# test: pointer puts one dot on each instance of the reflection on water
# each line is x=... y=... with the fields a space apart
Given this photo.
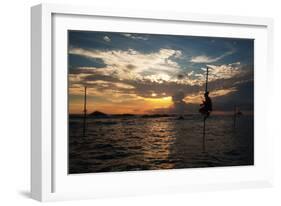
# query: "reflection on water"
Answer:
x=135 y=143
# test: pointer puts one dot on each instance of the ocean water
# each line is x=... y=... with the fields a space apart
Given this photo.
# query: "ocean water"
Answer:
x=136 y=143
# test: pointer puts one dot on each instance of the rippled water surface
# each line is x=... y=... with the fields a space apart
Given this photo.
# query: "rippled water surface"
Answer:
x=136 y=143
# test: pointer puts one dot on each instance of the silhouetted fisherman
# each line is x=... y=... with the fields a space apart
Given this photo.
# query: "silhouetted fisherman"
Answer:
x=206 y=106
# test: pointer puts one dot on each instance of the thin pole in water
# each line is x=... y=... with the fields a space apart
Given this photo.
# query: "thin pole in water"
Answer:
x=85 y=111
x=234 y=117
x=204 y=124
x=204 y=139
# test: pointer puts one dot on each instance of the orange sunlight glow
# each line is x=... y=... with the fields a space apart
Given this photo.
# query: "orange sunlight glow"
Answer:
x=139 y=106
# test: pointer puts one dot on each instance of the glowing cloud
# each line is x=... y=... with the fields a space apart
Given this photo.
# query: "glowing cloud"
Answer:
x=135 y=37
x=208 y=59
x=106 y=38
x=133 y=65
x=225 y=71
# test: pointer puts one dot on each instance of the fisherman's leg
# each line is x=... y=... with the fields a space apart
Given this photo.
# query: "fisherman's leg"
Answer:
x=207 y=114
x=203 y=110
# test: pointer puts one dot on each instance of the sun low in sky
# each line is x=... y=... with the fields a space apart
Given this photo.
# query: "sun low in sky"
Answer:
x=149 y=74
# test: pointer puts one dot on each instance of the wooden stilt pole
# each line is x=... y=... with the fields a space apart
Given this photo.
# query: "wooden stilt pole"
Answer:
x=234 y=117
x=204 y=124
x=85 y=111
x=204 y=139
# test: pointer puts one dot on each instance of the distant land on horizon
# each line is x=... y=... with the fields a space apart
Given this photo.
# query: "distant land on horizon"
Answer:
x=99 y=114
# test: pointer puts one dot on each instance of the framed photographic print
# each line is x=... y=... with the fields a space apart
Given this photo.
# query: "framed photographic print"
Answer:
x=137 y=102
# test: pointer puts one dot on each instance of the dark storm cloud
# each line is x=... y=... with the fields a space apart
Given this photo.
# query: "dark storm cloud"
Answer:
x=130 y=66
x=144 y=88
x=75 y=61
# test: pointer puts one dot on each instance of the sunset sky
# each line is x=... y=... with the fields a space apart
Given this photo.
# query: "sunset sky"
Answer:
x=147 y=73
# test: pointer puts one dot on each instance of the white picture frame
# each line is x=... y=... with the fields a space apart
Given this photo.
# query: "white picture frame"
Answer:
x=49 y=181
